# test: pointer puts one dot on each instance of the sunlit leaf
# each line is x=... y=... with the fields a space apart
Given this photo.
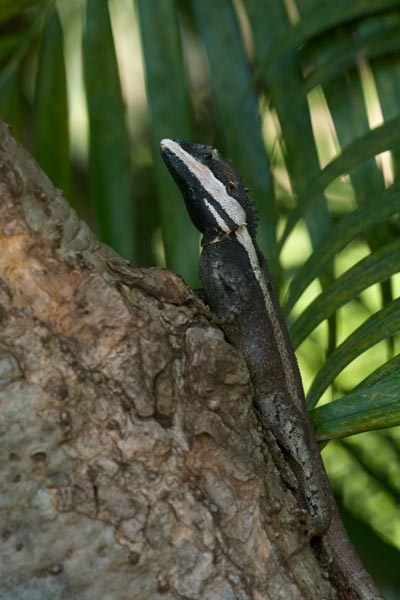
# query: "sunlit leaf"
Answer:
x=376 y=267
x=373 y=468
x=345 y=96
x=367 y=216
x=370 y=408
x=374 y=142
x=388 y=370
x=379 y=326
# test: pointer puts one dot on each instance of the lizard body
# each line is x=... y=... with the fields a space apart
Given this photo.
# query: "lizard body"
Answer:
x=239 y=289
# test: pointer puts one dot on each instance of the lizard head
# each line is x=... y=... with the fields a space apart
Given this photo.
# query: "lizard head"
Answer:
x=213 y=190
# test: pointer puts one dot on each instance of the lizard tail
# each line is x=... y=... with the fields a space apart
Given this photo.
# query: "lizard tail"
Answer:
x=344 y=564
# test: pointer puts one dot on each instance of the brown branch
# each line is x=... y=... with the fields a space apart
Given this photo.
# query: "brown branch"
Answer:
x=133 y=465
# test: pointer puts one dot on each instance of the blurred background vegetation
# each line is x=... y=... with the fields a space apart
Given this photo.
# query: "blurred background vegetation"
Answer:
x=303 y=96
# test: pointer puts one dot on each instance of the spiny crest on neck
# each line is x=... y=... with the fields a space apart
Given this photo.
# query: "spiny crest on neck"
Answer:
x=213 y=190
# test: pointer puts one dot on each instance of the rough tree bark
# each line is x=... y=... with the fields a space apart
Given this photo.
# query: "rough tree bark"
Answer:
x=132 y=463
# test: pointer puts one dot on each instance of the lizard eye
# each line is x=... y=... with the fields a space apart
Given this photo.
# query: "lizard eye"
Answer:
x=208 y=156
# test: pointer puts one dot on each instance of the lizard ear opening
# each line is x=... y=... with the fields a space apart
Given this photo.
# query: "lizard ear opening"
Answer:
x=231 y=188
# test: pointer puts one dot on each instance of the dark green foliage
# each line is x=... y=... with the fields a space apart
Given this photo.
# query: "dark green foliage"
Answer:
x=110 y=180
x=169 y=117
x=51 y=107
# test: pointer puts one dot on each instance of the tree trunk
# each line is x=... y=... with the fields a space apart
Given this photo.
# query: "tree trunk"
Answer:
x=133 y=465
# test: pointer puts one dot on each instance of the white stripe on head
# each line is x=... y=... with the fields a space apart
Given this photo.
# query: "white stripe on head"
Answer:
x=211 y=184
x=220 y=221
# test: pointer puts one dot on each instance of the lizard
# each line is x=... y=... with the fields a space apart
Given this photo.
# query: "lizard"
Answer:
x=239 y=289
